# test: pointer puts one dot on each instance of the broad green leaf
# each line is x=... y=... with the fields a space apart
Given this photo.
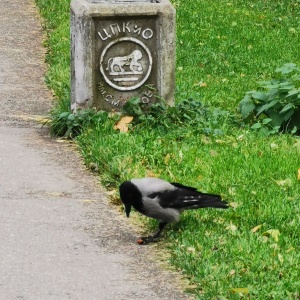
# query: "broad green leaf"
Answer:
x=286 y=68
x=286 y=86
x=277 y=119
x=293 y=95
x=71 y=117
x=287 y=107
x=246 y=107
x=288 y=114
x=270 y=86
x=266 y=121
x=256 y=126
x=259 y=96
x=267 y=106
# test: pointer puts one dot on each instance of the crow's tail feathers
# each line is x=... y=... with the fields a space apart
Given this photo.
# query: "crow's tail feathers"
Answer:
x=203 y=200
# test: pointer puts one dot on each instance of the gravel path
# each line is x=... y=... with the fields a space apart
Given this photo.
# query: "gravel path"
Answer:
x=60 y=238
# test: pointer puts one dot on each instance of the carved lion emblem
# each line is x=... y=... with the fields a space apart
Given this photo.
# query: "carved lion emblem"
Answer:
x=117 y=64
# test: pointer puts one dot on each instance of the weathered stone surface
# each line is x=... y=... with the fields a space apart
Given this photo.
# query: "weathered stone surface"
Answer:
x=122 y=50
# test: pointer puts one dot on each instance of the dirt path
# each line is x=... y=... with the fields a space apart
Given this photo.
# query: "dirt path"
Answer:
x=60 y=239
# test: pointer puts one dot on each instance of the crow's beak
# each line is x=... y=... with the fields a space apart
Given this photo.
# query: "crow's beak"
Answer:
x=127 y=210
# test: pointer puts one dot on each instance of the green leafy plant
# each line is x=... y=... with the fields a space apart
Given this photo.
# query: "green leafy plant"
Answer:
x=188 y=113
x=276 y=105
x=68 y=124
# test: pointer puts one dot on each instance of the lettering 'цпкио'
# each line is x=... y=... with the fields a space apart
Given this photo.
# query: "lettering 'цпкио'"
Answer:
x=121 y=50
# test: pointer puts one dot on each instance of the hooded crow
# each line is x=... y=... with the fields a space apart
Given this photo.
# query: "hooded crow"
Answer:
x=163 y=201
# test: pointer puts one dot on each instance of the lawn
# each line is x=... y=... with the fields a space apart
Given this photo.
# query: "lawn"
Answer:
x=252 y=250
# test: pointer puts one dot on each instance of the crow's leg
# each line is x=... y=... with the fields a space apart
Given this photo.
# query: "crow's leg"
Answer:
x=155 y=236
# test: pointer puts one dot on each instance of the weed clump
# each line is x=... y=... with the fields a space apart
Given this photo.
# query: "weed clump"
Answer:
x=276 y=105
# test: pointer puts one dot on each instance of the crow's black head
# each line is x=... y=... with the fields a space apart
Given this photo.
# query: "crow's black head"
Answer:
x=126 y=195
x=130 y=196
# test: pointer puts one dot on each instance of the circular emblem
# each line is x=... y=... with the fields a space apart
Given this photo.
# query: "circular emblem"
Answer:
x=125 y=64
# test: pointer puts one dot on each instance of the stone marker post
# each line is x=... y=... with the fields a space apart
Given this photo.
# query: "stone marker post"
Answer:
x=121 y=49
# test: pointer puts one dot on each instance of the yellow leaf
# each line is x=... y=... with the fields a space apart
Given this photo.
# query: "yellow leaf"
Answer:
x=232 y=191
x=274 y=233
x=290 y=249
x=167 y=158
x=191 y=249
x=298 y=174
x=254 y=229
x=233 y=204
x=150 y=173
x=274 y=146
x=122 y=124
x=297 y=145
x=284 y=182
x=213 y=153
x=231 y=227
x=240 y=290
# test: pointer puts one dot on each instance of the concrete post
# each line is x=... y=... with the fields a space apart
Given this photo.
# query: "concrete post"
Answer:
x=121 y=49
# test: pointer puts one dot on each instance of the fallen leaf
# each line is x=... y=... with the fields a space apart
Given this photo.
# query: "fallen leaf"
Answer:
x=298 y=177
x=284 y=182
x=239 y=290
x=232 y=191
x=274 y=146
x=167 y=159
x=231 y=227
x=297 y=145
x=290 y=249
x=254 y=229
x=213 y=153
x=233 y=204
x=150 y=173
x=191 y=249
x=274 y=233
x=122 y=124
x=205 y=140
x=218 y=141
x=232 y=272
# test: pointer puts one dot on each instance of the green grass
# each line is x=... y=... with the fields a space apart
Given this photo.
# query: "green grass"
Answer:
x=229 y=46
x=216 y=249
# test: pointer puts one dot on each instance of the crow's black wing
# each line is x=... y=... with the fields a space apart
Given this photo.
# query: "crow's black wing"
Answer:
x=181 y=186
x=189 y=199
